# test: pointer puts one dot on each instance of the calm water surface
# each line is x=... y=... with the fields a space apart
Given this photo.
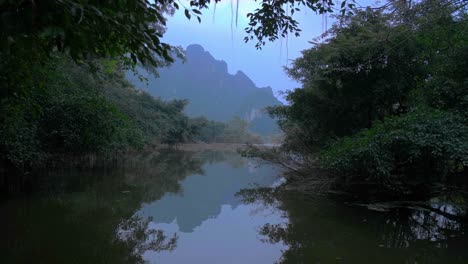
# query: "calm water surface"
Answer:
x=184 y=207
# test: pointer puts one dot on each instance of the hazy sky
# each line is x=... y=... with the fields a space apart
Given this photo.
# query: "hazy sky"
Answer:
x=264 y=67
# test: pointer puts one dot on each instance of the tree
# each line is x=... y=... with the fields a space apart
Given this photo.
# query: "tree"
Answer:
x=86 y=28
x=274 y=18
x=360 y=73
x=132 y=29
x=383 y=101
x=125 y=29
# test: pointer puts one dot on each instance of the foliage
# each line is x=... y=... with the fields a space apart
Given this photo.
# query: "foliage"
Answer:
x=33 y=31
x=355 y=77
x=131 y=30
x=63 y=118
x=71 y=121
x=207 y=130
x=384 y=97
x=275 y=18
x=421 y=146
x=77 y=112
x=156 y=120
x=235 y=131
x=86 y=28
x=446 y=50
x=18 y=141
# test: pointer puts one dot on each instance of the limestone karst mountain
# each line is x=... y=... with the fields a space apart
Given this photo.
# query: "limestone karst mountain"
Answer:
x=212 y=91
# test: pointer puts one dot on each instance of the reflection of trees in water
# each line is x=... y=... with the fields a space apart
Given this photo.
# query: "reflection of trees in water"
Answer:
x=203 y=196
x=211 y=156
x=149 y=175
x=159 y=174
x=84 y=215
x=136 y=235
x=323 y=231
x=437 y=224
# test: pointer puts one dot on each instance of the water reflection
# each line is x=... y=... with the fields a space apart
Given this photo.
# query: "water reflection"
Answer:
x=202 y=195
x=84 y=215
x=212 y=224
x=135 y=231
x=169 y=207
x=321 y=231
x=182 y=207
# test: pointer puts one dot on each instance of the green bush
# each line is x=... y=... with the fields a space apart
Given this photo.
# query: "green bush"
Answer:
x=419 y=145
x=80 y=124
x=19 y=145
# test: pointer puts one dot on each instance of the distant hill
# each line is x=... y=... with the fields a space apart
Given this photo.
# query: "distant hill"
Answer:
x=212 y=92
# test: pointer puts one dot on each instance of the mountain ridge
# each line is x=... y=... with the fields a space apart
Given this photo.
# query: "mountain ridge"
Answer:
x=212 y=91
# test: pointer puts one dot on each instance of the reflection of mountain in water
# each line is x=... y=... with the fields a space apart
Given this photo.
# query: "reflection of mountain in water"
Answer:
x=202 y=196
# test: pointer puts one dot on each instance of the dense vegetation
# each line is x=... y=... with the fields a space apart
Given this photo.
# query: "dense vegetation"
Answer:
x=129 y=30
x=47 y=109
x=78 y=111
x=234 y=131
x=383 y=100
x=384 y=92
x=58 y=60
x=383 y=108
x=63 y=91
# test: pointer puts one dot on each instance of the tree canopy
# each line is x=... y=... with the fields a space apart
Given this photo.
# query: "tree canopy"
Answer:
x=132 y=29
x=126 y=28
x=384 y=97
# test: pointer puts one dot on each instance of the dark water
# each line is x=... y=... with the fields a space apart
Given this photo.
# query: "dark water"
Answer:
x=180 y=207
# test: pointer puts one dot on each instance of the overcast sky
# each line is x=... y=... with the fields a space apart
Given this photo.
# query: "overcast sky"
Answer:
x=264 y=67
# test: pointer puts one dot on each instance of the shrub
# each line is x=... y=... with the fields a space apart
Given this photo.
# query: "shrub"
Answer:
x=402 y=149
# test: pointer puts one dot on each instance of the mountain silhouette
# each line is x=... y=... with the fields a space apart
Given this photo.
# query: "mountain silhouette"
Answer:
x=212 y=91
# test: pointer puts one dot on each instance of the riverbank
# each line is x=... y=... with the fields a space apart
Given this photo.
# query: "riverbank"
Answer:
x=211 y=146
x=18 y=181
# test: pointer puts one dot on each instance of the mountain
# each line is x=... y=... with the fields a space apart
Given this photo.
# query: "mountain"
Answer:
x=212 y=92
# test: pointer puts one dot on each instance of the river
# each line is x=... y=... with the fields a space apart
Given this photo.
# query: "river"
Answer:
x=189 y=207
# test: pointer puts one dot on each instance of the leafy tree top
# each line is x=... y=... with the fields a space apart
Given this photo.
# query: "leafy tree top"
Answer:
x=130 y=29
